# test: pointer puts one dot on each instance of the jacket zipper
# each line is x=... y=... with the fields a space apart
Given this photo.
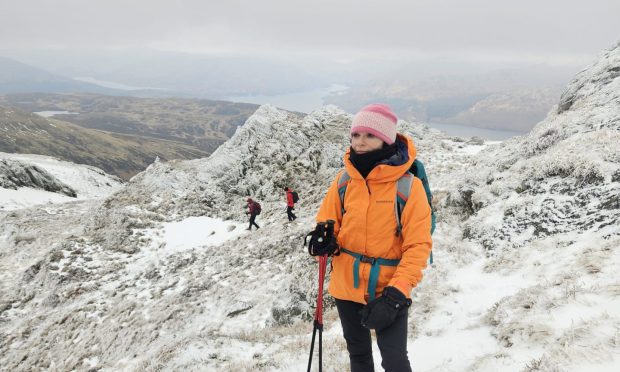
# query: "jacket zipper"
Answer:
x=364 y=276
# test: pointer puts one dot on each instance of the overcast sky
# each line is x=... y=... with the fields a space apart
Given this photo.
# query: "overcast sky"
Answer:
x=541 y=30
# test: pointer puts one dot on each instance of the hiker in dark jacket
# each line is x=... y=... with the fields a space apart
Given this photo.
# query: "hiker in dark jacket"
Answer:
x=290 y=204
x=253 y=212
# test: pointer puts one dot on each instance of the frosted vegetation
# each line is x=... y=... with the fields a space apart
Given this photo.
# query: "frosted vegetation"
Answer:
x=526 y=253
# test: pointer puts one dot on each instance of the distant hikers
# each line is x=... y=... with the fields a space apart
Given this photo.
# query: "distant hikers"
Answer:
x=291 y=198
x=254 y=210
x=378 y=256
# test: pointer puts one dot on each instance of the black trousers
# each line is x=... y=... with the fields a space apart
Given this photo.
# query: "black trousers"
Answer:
x=252 y=218
x=392 y=340
x=290 y=214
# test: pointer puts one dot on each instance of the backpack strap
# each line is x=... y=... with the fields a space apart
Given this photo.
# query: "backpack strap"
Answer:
x=419 y=172
x=343 y=182
x=403 y=188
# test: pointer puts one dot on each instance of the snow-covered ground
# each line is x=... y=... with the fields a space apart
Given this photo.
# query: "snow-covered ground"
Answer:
x=26 y=197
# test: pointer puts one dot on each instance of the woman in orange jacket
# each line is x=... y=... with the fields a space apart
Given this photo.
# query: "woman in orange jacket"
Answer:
x=377 y=267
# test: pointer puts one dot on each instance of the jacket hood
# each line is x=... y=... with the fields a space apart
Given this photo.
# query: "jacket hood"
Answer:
x=392 y=168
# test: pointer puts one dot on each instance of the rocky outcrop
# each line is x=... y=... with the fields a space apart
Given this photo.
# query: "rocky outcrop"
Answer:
x=593 y=81
x=15 y=174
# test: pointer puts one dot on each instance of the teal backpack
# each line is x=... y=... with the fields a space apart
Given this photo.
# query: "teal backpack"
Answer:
x=402 y=193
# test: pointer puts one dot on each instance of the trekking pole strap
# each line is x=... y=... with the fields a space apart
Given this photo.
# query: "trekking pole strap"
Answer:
x=374 y=269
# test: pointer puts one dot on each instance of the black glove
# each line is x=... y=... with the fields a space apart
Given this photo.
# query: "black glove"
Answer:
x=322 y=240
x=381 y=312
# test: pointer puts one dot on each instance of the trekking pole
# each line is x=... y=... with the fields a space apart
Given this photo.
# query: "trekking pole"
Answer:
x=322 y=244
x=318 y=315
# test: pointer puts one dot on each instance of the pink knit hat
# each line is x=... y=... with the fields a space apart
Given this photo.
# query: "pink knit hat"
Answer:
x=378 y=120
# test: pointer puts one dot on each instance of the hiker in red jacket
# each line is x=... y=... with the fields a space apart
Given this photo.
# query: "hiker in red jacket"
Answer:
x=290 y=204
x=253 y=210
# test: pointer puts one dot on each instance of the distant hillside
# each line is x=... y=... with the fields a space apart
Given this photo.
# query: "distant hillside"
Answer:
x=17 y=77
x=511 y=99
x=122 y=155
x=516 y=111
x=204 y=124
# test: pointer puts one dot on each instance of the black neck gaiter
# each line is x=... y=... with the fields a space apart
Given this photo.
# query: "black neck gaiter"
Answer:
x=365 y=163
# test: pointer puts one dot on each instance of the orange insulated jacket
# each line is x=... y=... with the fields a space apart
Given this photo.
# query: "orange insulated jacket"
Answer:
x=368 y=227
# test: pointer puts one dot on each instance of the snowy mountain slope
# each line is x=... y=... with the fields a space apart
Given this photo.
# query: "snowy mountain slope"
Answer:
x=524 y=279
x=571 y=157
x=545 y=208
x=27 y=180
